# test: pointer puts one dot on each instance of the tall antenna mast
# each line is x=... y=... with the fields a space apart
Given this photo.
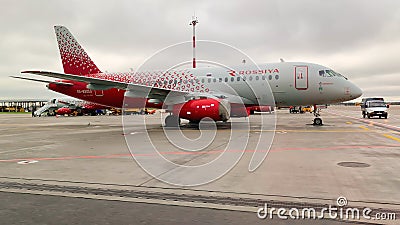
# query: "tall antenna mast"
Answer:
x=193 y=23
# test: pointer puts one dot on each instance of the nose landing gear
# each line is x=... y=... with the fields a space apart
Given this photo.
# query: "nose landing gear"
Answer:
x=317 y=119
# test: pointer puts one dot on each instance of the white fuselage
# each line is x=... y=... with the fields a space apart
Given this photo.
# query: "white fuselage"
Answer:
x=290 y=83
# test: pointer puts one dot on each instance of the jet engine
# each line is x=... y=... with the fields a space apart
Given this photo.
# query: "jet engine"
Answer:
x=197 y=109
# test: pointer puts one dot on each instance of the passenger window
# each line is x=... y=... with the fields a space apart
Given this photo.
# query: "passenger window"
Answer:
x=232 y=79
x=202 y=80
x=209 y=80
x=238 y=78
x=220 y=79
x=263 y=77
x=250 y=78
x=215 y=80
x=226 y=79
x=277 y=77
x=270 y=77
x=257 y=77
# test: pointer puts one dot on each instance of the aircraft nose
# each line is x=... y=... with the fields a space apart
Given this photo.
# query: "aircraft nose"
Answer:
x=352 y=91
x=356 y=91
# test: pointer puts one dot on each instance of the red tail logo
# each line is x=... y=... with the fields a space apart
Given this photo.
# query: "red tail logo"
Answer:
x=74 y=58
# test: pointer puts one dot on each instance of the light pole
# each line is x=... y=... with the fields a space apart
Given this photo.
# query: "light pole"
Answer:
x=193 y=23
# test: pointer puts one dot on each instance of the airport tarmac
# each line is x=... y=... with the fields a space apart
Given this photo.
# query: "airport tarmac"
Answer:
x=307 y=166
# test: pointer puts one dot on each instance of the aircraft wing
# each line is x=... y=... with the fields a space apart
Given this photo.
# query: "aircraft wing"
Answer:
x=138 y=89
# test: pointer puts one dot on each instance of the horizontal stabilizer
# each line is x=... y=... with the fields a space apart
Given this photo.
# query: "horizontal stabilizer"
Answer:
x=86 y=79
x=43 y=81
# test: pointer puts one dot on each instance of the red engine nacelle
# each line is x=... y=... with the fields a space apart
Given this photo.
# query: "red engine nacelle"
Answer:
x=195 y=110
x=63 y=111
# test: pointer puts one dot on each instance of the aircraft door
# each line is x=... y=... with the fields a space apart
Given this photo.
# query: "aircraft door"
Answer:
x=301 y=77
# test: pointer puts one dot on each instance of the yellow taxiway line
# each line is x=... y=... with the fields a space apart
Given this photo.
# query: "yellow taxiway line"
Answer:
x=364 y=128
x=391 y=137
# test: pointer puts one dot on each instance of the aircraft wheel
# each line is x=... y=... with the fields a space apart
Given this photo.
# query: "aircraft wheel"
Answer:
x=172 y=121
x=369 y=116
x=318 y=121
x=363 y=115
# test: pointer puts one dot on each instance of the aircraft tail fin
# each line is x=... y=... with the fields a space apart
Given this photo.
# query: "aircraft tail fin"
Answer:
x=74 y=58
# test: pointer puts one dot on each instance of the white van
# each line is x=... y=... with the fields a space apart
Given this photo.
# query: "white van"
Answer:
x=371 y=108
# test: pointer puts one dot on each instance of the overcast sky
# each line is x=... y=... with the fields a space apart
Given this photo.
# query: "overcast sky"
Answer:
x=360 y=39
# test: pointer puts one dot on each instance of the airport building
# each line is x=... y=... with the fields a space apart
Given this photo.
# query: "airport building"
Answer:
x=20 y=105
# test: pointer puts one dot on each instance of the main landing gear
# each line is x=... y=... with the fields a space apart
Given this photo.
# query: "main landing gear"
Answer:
x=317 y=119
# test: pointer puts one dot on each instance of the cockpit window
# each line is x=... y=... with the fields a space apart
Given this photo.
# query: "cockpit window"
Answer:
x=340 y=75
x=330 y=73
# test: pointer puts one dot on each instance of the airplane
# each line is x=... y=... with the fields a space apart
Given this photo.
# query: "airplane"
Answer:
x=193 y=94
